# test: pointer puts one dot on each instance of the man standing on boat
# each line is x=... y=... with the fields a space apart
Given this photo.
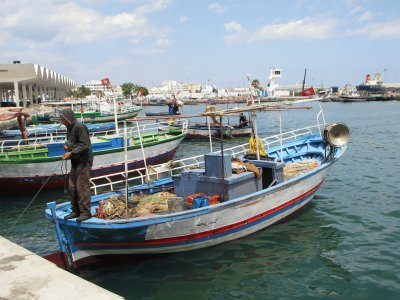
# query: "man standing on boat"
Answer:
x=79 y=151
x=173 y=107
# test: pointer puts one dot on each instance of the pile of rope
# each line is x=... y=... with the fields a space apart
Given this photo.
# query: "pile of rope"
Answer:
x=297 y=168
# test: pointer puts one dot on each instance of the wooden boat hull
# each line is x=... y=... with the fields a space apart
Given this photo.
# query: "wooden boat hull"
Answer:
x=53 y=171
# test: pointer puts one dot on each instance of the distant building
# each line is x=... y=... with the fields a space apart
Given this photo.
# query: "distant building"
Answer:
x=181 y=91
x=100 y=90
x=21 y=83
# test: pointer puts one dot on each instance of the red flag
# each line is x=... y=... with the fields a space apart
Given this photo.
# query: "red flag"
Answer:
x=308 y=92
x=105 y=81
x=139 y=93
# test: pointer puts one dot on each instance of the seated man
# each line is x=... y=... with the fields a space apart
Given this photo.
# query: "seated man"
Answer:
x=243 y=121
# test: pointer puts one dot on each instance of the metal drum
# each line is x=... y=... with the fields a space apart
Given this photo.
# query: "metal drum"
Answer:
x=336 y=134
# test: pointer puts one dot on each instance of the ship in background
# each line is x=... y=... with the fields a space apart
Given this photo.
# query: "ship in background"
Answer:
x=375 y=84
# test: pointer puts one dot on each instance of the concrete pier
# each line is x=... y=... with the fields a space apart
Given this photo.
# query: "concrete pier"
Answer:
x=25 y=275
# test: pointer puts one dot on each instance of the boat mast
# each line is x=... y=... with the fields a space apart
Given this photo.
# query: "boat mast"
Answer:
x=126 y=168
x=304 y=81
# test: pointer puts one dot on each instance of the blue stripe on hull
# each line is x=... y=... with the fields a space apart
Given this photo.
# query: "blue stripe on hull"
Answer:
x=135 y=238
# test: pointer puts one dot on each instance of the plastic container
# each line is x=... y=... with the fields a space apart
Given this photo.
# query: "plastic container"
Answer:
x=213 y=199
x=190 y=198
x=201 y=201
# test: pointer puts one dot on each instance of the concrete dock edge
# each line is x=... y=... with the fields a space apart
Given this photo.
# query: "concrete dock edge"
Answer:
x=25 y=275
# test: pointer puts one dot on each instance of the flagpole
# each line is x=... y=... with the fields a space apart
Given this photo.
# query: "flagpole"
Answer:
x=106 y=82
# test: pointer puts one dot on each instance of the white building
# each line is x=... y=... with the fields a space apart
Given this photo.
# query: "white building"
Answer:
x=181 y=90
x=99 y=89
x=23 y=82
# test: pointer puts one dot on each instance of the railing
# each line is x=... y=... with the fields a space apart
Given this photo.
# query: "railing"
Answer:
x=42 y=141
x=115 y=181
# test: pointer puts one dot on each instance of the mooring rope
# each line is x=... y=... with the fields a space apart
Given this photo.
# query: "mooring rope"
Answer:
x=33 y=199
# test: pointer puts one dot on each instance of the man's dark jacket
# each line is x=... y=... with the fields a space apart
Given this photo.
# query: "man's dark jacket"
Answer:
x=78 y=139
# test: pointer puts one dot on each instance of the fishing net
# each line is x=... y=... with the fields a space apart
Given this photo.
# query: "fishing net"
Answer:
x=114 y=207
x=297 y=168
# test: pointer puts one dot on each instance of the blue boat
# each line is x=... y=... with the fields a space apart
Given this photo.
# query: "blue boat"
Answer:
x=43 y=130
x=218 y=197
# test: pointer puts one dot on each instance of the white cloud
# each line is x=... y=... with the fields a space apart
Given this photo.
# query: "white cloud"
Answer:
x=155 y=5
x=217 y=8
x=183 y=19
x=162 y=42
x=235 y=33
x=387 y=30
x=233 y=27
x=146 y=51
x=49 y=23
x=365 y=16
x=306 y=28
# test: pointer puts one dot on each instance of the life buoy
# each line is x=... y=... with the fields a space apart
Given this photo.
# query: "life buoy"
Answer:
x=92 y=116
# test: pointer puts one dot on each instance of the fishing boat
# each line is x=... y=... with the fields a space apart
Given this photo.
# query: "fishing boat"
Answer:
x=93 y=112
x=34 y=163
x=217 y=197
x=52 y=130
x=204 y=131
x=355 y=98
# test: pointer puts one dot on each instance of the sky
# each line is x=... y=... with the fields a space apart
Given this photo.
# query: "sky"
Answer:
x=199 y=41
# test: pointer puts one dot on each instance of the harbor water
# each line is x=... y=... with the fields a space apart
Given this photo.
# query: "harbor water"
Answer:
x=345 y=245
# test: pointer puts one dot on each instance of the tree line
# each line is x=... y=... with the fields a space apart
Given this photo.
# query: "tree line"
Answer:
x=128 y=90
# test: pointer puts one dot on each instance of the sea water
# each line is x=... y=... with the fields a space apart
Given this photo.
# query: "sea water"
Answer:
x=345 y=245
